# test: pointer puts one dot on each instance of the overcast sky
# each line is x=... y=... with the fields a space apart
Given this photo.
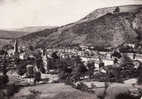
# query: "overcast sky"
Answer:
x=23 y=13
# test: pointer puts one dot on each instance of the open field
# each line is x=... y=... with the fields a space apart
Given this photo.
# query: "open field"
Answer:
x=62 y=91
x=55 y=91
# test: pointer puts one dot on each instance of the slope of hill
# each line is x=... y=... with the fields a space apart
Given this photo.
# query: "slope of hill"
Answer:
x=36 y=37
x=103 y=29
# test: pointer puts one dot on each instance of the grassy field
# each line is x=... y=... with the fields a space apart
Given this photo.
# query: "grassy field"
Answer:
x=53 y=91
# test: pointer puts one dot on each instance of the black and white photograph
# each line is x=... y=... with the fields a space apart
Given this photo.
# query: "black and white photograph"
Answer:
x=70 y=49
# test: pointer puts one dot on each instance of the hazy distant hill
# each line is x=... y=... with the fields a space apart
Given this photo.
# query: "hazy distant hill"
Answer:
x=31 y=29
x=99 y=28
x=7 y=35
x=4 y=34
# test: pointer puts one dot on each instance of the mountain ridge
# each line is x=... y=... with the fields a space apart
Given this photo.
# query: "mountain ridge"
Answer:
x=102 y=28
x=100 y=31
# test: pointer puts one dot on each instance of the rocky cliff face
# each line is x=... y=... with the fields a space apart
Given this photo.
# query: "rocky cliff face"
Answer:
x=100 y=12
x=137 y=23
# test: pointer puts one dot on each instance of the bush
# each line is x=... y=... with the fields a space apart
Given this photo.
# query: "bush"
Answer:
x=125 y=96
x=21 y=67
x=4 y=79
x=9 y=91
x=12 y=89
x=139 y=81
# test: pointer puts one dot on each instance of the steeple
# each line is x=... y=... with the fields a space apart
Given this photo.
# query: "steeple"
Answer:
x=15 y=47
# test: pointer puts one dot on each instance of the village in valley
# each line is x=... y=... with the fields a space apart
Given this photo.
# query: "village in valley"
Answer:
x=105 y=68
x=83 y=68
